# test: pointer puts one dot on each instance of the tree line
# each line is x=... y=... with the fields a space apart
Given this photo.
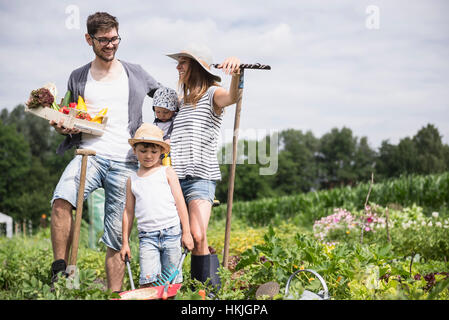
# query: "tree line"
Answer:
x=338 y=158
x=30 y=168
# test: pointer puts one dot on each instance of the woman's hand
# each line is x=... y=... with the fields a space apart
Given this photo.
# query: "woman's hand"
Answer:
x=230 y=65
x=63 y=130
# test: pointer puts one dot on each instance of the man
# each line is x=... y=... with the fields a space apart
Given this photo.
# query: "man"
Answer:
x=106 y=82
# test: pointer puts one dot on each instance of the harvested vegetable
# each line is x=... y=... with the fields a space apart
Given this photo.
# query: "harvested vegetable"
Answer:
x=100 y=115
x=40 y=98
x=81 y=104
x=84 y=116
x=66 y=100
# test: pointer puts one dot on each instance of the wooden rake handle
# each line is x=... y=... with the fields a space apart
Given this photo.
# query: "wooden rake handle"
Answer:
x=79 y=204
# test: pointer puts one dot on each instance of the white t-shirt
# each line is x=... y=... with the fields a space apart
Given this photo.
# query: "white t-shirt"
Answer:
x=113 y=144
x=155 y=207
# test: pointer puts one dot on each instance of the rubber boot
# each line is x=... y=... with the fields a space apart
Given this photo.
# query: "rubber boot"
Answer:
x=200 y=267
x=214 y=277
x=57 y=267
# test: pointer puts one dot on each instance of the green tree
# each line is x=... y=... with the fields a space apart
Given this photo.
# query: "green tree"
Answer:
x=422 y=154
x=33 y=165
x=364 y=160
x=387 y=164
x=15 y=164
x=336 y=156
x=297 y=167
x=429 y=151
x=249 y=184
x=407 y=156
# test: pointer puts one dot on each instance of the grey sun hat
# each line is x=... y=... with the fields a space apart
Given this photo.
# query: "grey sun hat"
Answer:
x=199 y=53
x=166 y=98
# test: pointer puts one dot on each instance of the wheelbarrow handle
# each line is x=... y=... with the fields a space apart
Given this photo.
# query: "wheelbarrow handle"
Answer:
x=323 y=283
x=129 y=272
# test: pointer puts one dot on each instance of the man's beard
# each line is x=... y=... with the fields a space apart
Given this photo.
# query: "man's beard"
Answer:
x=100 y=54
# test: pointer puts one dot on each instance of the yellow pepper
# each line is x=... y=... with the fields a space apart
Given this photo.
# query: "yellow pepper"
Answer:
x=100 y=115
x=81 y=105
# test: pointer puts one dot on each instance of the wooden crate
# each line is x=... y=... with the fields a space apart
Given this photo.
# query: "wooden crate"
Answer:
x=70 y=120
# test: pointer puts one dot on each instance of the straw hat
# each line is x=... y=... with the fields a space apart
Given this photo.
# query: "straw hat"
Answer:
x=151 y=134
x=201 y=54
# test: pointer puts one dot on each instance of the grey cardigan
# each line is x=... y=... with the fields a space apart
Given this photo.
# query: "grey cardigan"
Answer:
x=140 y=85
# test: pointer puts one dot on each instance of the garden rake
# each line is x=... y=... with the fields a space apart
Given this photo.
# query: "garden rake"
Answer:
x=163 y=288
x=170 y=273
x=238 y=108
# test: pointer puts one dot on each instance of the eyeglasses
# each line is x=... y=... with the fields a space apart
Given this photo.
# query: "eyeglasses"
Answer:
x=106 y=41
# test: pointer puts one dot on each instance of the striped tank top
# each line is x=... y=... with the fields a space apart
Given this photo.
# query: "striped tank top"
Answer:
x=194 y=139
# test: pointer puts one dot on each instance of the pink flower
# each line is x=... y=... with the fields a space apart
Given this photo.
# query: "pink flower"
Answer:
x=367 y=229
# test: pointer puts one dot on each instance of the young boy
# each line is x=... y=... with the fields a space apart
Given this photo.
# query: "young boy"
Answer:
x=165 y=107
x=154 y=196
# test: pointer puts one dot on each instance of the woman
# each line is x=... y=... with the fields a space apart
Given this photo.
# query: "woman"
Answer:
x=194 y=142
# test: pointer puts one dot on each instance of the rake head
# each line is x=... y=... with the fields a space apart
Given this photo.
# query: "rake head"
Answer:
x=167 y=275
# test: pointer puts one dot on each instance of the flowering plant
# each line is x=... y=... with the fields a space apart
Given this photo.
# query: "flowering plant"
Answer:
x=409 y=229
x=332 y=227
x=344 y=225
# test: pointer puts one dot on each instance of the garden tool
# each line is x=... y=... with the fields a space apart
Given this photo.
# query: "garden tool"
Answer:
x=308 y=295
x=170 y=273
x=234 y=154
x=161 y=291
x=130 y=274
x=137 y=294
x=71 y=268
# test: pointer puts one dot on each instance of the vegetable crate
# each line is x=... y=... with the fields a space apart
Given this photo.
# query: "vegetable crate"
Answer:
x=70 y=120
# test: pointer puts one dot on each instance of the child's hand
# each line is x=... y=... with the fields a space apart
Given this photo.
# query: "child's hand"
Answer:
x=187 y=241
x=125 y=251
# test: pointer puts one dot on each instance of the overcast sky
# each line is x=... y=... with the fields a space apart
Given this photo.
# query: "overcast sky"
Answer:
x=380 y=68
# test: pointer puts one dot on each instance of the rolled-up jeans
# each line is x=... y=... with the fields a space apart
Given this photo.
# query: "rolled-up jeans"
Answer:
x=100 y=173
x=158 y=251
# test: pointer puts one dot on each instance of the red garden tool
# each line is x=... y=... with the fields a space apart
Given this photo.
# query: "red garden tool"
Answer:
x=161 y=289
x=238 y=108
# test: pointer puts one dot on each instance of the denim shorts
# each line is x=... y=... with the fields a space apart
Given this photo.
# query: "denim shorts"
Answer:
x=159 y=249
x=100 y=173
x=197 y=188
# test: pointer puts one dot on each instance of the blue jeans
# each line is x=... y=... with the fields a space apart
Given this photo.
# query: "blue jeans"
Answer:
x=100 y=173
x=159 y=249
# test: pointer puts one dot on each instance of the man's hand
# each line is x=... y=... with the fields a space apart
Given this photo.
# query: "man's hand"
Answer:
x=61 y=129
